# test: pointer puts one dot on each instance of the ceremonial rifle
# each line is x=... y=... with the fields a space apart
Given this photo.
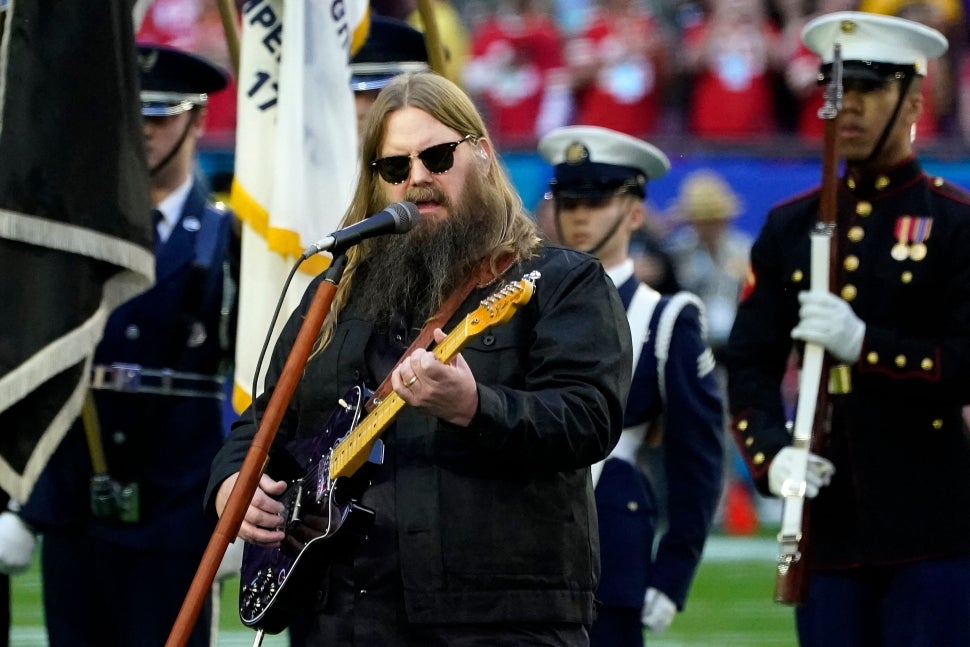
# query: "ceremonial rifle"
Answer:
x=812 y=412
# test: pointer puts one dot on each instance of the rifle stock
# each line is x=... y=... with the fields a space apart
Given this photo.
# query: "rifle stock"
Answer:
x=794 y=561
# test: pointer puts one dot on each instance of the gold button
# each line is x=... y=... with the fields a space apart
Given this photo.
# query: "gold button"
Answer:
x=856 y=234
x=758 y=458
x=938 y=423
x=900 y=361
x=748 y=441
x=742 y=425
x=850 y=183
x=882 y=182
x=849 y=292
x=926 y=364
x=906 y=277
x=632 y=506
x=873 y=357
x=851 y=263
x=863 y=208
x=937 y=181
x=797 y=276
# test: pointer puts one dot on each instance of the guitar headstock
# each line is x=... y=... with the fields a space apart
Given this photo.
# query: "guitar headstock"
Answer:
x=499 y=307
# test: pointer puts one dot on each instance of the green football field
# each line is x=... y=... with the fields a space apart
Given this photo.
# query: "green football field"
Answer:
x=730 y=604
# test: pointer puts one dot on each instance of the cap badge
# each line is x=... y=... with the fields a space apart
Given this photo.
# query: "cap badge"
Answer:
x=576 y=153
x=847 y=26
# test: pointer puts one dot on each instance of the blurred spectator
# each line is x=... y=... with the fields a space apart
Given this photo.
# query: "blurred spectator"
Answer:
x=618 y=68
x=710 y=255
x=731 y=56
x=950 y=14
x=516 y=72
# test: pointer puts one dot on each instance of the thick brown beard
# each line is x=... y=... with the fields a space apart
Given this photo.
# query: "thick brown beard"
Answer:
x=412 y=275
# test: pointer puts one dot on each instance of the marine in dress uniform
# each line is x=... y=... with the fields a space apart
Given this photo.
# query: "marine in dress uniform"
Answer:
x=124 y=549
x=601 y=174
x=890 y=533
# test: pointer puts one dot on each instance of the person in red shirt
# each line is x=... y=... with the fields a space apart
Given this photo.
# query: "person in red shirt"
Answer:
x=618 y=67
x=731 y=56
x=516 y=72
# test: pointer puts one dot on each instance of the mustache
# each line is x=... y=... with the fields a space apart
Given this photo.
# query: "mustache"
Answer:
x=427 y=194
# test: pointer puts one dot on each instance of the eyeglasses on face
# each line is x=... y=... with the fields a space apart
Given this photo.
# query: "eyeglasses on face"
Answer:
x=437 y=159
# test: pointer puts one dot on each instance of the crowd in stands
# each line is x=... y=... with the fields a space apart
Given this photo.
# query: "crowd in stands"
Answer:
x=715 y=71
x=720 y=71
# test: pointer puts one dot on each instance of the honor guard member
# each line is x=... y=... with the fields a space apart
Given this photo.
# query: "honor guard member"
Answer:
x=599 y=187
x=889 y=530
x=392 y=47
x=120 y=505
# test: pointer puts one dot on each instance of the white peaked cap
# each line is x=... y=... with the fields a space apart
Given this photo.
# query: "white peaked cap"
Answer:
x=873 y=37
x=573 y=144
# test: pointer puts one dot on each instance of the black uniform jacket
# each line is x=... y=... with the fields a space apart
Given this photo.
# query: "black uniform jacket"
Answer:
x=494 y=522
x=900 y=446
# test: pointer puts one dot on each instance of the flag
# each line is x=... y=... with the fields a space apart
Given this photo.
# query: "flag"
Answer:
x=296 y=152
x=75 y=232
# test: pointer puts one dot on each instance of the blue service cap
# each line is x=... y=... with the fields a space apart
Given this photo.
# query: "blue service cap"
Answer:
x=593 y=163
x=173 y=81
x=392 y=47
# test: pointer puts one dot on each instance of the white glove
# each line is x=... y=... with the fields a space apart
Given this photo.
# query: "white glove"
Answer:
x=16 y=544
x=818 y=471
x=658 y=610
x=231 y=561
x=829 y=321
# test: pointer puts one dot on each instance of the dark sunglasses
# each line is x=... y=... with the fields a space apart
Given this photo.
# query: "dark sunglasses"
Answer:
x=437 y=159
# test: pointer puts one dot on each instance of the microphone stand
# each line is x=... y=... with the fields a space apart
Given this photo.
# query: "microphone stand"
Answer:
x=252 y=468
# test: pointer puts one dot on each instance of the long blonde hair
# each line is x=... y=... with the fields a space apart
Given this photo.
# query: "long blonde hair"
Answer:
x=447 y=103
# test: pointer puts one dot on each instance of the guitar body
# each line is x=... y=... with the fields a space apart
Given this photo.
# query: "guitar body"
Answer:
x=322 y=516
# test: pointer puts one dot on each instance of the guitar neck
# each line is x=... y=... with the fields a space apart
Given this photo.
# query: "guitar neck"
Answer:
x=351 y=453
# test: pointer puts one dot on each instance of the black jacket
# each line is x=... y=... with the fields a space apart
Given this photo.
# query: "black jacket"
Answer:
x=494 y=522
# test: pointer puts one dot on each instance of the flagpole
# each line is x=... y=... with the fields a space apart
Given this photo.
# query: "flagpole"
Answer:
x=436 y=55
x=230 y=26
x=256 y=456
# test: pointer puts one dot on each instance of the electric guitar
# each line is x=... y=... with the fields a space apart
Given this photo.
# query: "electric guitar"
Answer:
x=322 y=507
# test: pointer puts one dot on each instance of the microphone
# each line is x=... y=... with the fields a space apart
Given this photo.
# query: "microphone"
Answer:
x=397 y=218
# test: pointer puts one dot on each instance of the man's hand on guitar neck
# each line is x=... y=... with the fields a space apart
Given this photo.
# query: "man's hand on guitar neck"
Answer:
x=263 y=522
x=445 y=390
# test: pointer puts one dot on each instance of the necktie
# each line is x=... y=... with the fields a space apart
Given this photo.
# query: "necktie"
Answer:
x=156 y=219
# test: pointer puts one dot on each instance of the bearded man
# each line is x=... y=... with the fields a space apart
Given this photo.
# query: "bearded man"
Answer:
x=482 y=527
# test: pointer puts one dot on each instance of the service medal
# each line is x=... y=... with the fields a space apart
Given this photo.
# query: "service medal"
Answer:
x=917 y=251
x=900 y=250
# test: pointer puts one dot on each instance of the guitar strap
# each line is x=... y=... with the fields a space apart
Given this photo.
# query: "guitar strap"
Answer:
x=481 y=277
